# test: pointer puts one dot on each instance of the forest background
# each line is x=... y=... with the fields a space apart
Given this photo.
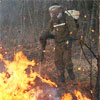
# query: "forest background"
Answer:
x=21 y=23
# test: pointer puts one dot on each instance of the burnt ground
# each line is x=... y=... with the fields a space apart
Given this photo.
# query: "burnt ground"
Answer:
x=48 y=69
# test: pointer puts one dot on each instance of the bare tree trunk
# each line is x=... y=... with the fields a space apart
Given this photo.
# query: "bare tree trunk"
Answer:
x=98 y=64
x=90 y=39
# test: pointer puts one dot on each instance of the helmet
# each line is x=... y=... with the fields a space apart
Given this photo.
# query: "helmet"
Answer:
x=55 y=11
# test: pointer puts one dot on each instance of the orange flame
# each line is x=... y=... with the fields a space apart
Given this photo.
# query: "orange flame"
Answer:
x=15 y=86
x=85 y=16
x=67 y=42
x=70 y=33
x=78 y=94
x=67 y=96
x=92 y=30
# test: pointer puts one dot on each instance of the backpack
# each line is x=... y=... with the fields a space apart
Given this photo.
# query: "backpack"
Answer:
x=75 y=14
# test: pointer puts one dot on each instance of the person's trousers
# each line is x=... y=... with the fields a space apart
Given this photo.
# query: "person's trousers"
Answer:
x=63 y=61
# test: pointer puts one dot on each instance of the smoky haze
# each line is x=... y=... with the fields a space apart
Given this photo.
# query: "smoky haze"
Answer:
x=10 y=11
x=25 y=19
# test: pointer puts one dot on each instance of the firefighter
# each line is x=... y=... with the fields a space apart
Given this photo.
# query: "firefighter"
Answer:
x=65 y=29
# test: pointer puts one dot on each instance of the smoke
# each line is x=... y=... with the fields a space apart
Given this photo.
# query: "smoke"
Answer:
x=9 y=12
x=50 y=94
x=53 y=94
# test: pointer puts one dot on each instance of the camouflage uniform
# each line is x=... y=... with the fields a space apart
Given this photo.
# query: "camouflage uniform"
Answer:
x=62 y=55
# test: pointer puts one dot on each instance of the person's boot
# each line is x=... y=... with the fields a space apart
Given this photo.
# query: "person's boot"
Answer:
x=60 y=83
x=61 y=80
x=71 y=74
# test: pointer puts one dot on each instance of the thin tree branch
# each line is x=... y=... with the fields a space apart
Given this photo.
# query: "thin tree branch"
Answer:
x=85 y=55
x=89 y=49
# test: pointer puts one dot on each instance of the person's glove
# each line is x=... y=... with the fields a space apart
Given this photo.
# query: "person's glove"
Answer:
x=43 y=42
